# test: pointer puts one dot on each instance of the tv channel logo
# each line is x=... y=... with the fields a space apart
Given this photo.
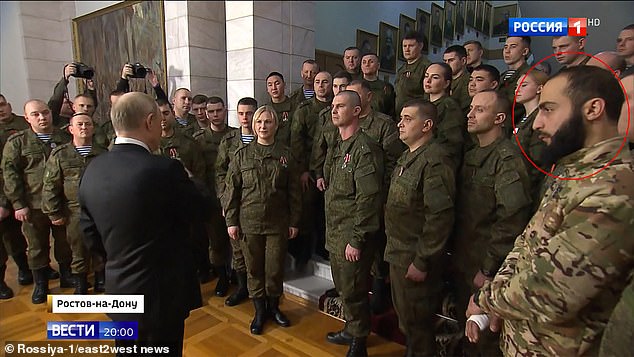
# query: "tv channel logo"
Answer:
x=543 y=26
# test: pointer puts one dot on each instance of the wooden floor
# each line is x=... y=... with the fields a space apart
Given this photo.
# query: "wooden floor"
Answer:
x=213 y=330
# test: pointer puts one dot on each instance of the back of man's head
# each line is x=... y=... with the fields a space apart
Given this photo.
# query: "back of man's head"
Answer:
x=130 y=110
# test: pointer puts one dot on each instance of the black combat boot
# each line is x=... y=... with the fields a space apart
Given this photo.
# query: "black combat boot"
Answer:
x=260 y=316
x=51 y=273
x=40 y=290
x=274 y=310
x=81 y=284
x=339 y=337
x=100 y=281
x=242 y=293
x=25 y=276
x=378 y=298
x=358 y=347
x=222 y=285
x=66 y=279
x=5 y=291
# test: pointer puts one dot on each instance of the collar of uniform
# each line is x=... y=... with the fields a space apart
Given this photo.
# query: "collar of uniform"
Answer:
x=283 y=105
x=407 y=160
x=367 y=120
x=582 y=161
x=440 y=101
x=458 y=81
x=319 y=105
x=479 y=155
x=529 y=119
x=346 y=144
x=264 y=151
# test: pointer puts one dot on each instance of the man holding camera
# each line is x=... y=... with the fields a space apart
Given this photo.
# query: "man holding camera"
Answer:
x=60 y=93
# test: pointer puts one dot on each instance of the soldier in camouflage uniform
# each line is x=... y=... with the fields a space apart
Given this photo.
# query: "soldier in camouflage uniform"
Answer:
x=381 y=101
x=23 y=160
x=264 y=203
x=493 y=206
x=352 y=62
x=418 y=213
x=515 y=51
x=559 y=285
x=232 y=141
x=209 y=140
x=60 y=201
x=456 y=57
x=283 y=105
x=353 y=212
x=619 y=331
x=305 y=122
x=182 y=104
x=310 y=68
x=409 y=78
x=13 y=242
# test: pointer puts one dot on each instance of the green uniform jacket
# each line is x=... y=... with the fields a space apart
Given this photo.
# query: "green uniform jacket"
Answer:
x=381 y=102
x=493 y=206
x=382 y=128
x=184 y=148
x=420 y=208
x=228 y=146
x=284 y=112
x=7 y=128
x=108 y=130
x=263 y=190
x=326 y=136
x=620 y=328
x=559 y=285
x=209 y=143
x=460 y=92
x=23 y=160
x=191 y=127
x=353 y=198
x=62 y=174
x=451 y=130
x=409 y=82
x=533 y=147
x=56 y=101
x=297 y=97
x=305 y=122
x=508 y=88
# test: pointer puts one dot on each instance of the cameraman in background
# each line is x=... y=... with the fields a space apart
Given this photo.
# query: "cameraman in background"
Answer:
x=60 y=104
x=139 y=71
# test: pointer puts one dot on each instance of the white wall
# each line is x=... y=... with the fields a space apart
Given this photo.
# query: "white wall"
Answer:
x=12 y=66
x=85 y=7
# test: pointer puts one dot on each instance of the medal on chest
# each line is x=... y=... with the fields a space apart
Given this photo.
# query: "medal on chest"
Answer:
x=284 y=161
x=346 y=160
x=173 y=153
x=284 y=116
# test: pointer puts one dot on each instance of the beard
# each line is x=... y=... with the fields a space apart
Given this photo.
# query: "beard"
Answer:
x=569 y=138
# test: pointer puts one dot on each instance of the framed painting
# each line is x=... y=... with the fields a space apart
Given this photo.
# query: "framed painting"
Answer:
x=471 y=13
x=423 y=26
x=388 y=35
x=127 y=32
x=366 y=41
x=486 y=28
x=450 y=20
x=436 y=24
x=501 y=16
x=405 y=25
x=460 y=16
x=479 y=11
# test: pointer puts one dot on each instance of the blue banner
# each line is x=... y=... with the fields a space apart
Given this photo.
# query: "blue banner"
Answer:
x=92 y=330
x=538 y=26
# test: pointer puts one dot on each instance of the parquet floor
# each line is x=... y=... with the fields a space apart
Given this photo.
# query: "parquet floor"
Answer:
x=213 y=330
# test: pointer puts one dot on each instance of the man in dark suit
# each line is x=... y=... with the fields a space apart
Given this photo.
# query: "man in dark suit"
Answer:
x=137 y=210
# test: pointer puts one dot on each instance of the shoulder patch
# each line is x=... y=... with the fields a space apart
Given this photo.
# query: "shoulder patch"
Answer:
x=58 y=149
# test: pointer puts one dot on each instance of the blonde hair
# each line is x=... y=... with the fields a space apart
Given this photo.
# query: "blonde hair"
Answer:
x=258 y=113
x=538 y=76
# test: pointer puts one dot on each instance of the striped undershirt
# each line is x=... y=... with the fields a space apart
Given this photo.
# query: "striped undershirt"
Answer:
x=508 y=74
x=309 y=93
x=44 y=137
x=83 y=150
x=246 y=138
x=182 y=122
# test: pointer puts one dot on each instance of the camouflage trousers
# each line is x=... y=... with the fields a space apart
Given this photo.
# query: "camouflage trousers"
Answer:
x=13 y=242
x=415 y=305
x=37 y=231
x=82 y=258
x=264 y=256
x=352 y=283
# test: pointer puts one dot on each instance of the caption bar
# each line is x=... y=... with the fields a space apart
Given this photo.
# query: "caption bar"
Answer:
x=106 y=304
x=92 y=330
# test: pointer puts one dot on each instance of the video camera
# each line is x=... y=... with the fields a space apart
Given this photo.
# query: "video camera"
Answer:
x=83 y=71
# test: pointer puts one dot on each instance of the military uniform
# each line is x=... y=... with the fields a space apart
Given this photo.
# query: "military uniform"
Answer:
x=264 y=199
x=620 y=327
x=418 y=214
x=493 y=207
x=409 y=82
x=559 y=285
x=451 y=129
x=460 y=92
x=60 y=197
x=353 y=209
x=108 y=131
x=23 y=160
x=533 y=147
x=508 y=87
x=381 y=102
x=182 y=147
x=297 y=97
x=284 y=112
x=191 y=127
x=326 y=136
x=209 y=142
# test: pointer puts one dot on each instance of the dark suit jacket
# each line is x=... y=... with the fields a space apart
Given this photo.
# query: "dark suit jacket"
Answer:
x=137 y=210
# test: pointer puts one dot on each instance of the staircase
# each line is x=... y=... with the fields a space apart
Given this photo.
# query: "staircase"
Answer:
x=309 y=283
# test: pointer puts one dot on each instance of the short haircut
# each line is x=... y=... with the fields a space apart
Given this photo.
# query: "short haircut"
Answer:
x=459 y=50
x=587 y=82
x=199 y=99
x=472 y=42
x=117 y=93
x=215 y=100
x=273 y=74
x=446 y=69
x=527 y=41
x=248 y=101
x=342 y=74
x=628 y=27
x=264 y=109
x=311 y=62
x=78 y=115
x=370 y=54
x=84 y=95
x=352 y=48
x=413 y=35
x=180 y=89
x=352 y=95
x=130 y=110
x=424 y=108
x=34 y=100
x=502 y=102
x=362 y=83
x=491 y=70
x=162 y=102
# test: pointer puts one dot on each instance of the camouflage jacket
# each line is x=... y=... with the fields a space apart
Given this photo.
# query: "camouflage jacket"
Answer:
x=7 y=128
x=353 y=198
x=226 y=150
x=460 y=92
x=262 y=192
x=409 y=82
x=451 y=130
x=381 y=101
x=326 y=136
x=305 y=122
x=420 y=207
x=23 y=160
x=493 y=206
x=558 y=286
x=508 y=88
x=184 y=148
x=108 y=131
x=62 y=173
x=533 y=147
x=285 y=111
x=209 y=142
